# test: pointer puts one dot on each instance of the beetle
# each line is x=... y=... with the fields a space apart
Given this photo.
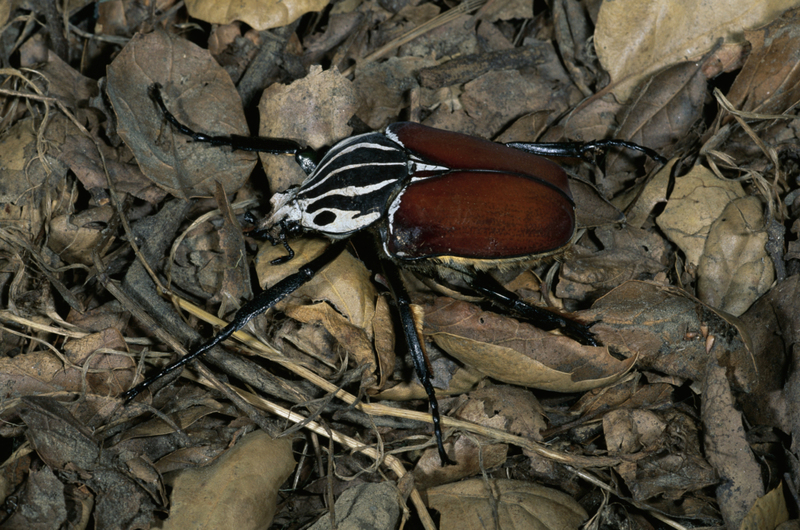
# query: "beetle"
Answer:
x=445 y=204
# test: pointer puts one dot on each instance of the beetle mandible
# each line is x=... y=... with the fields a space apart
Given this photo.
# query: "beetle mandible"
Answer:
x=444 y=204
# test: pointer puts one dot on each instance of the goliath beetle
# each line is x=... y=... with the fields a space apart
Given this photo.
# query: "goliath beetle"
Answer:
x=438 y=202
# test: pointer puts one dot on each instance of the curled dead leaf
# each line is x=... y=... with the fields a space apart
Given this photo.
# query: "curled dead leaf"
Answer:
x=518 y=353
x=672 y=332
x=697 y=200
x=634 y=39
x=344 y=283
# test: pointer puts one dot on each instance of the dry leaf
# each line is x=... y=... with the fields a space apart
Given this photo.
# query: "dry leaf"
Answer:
x=628 y=254
x=345 y=282
x=42 y=372
x=382 y=88
x=727 y=449
x=199 y=93
x=768 y=512
x=634 y=39
x=60 y=440
x=461 y=380
x=46 y=493
x=314 y=111
x=697 y=200
x=470 y=459
x=352 y=338
x=518 y=353
x=654 y=473
x=768 y=82
x=735 y=268
x=468 y=505
x=672 y=333
x=73 y=237
x=260 y=14
x=663 y=112
x=654 y=192
x=183 y=419
x=239 y=490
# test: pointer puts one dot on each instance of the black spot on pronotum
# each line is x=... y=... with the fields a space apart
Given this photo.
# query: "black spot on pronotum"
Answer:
x=324 y=218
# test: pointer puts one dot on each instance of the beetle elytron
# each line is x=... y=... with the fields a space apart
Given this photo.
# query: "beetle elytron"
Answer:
x=442 y=203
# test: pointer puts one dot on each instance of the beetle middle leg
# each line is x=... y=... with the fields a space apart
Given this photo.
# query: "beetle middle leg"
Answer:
x=415 y=348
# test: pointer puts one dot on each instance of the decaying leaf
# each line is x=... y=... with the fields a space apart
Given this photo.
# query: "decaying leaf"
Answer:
x=79 y=219
x=314 y=111
x=651 y=472
x=628 y=254
x=735 y=268
x=727 y=448
x=672 y=333
x=74 y=236
x=768 y=82
x=89 y=365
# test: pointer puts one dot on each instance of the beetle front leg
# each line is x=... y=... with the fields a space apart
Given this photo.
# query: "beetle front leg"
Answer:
x=418 y=356
x=305 y=157
x=253 y=308
x=542 y=318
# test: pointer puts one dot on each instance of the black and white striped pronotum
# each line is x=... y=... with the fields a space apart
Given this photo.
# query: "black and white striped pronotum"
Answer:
x=348 y=190
x=436 y=200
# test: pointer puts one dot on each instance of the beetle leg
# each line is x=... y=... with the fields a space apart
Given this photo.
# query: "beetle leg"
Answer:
x=491 y=289
x=283 y=238
x=582 y=150
x=277 y=146
x=418 y=356
x=253 y=308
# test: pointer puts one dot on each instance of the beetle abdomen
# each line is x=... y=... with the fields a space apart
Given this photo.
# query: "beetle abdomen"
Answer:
x=479 y=215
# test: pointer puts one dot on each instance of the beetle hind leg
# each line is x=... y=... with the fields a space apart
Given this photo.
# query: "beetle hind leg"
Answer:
x=542 y=318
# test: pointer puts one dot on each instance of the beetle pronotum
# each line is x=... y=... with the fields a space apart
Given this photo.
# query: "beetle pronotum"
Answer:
x=437 y=202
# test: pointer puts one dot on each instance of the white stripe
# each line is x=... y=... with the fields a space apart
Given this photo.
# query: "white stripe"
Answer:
x=348 y=168
x=349 y=191
x=350 y=149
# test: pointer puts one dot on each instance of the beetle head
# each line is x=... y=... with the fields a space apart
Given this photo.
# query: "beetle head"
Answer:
x=285 y=219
